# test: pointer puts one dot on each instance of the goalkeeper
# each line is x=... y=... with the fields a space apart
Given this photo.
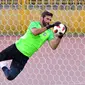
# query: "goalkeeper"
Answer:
x=36 y=35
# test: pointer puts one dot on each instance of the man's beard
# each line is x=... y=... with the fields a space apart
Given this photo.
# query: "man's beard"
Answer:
x=44 y=23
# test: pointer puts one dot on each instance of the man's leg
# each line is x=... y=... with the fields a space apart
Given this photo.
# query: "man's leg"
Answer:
x=18 y=62
x=14 y=70
x=7 y=53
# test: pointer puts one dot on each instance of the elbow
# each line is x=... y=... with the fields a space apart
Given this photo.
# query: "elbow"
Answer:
x=54 y=48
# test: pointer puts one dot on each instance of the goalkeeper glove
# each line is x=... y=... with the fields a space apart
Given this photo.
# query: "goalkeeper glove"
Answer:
x=55 y=24
x=50 y=26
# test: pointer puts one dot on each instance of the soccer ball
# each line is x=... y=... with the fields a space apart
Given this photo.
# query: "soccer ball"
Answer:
x=59 y=29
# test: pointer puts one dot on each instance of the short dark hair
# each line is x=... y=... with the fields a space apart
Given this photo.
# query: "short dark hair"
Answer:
x=46 y=13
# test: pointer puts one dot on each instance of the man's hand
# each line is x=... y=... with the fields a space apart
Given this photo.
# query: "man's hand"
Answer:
x=50 y=26
x=55 y=24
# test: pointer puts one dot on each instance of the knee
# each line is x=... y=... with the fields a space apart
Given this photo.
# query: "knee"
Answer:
x=10 y=78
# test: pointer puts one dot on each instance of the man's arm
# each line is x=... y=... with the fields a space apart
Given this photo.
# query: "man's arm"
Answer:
x=54 y=43
x=38 y=31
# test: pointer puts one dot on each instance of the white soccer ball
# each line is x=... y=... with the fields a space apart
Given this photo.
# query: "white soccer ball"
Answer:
x=59 y=29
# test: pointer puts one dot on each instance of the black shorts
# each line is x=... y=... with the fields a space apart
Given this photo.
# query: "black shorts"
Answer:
x=11 y=52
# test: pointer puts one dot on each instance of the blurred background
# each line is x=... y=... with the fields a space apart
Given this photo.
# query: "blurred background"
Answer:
x=15 y=15
x=63 y=66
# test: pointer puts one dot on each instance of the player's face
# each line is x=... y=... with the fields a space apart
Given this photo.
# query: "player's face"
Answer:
x=46 y=20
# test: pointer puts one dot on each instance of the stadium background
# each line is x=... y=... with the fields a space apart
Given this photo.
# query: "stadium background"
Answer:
x=65 y=65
